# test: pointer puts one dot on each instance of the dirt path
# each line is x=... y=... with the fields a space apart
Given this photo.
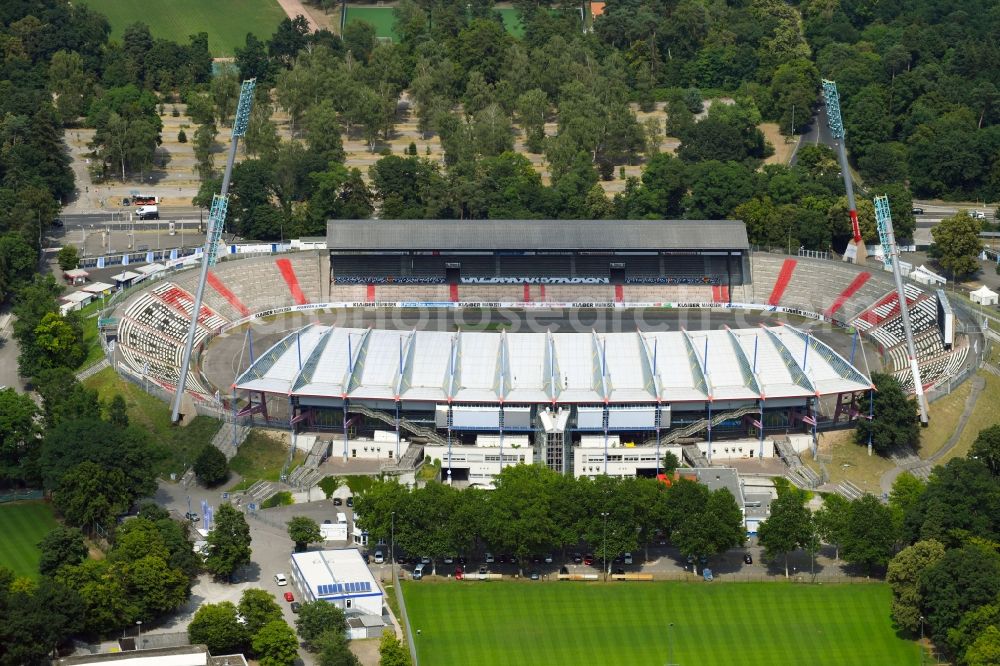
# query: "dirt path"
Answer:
x=295 y=7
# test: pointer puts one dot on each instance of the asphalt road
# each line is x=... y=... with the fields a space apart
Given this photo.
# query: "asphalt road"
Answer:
x=167 y=213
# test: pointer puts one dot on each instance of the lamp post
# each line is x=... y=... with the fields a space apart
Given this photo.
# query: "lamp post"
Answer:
x=604 y=515
x=921 y=640
x=138 y=640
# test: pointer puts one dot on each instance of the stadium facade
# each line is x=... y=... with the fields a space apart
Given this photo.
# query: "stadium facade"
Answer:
x=480 y=400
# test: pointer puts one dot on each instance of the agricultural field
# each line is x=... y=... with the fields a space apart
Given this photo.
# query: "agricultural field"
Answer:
x=227 y=22
x=23 y=525
x=766 y=624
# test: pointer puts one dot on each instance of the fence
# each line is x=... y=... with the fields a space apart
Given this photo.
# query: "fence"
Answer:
x=21 y=496
x=404 y=616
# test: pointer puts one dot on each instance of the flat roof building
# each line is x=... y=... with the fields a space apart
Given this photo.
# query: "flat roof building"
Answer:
x=338 y=576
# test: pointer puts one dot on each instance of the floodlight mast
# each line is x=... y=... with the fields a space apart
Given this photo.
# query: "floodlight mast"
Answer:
x=216 y=220
x=883 y=219
x=856 y=250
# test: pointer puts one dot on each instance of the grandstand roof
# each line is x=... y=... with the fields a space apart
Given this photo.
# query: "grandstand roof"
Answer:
x=494 y=367
x=451 y=235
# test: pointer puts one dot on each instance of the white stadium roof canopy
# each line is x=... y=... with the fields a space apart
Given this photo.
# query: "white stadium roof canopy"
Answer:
x=499 y=367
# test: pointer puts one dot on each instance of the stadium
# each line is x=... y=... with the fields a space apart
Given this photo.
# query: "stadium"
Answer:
x=590 y=346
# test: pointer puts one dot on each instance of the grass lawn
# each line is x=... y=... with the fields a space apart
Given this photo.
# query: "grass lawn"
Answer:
x=380 y=17
x=984 y=414
x=23 y=525
x=847 y=461
x=944 y=416
x=227 y=22
x=176 y=446
x=90 y=334
x=770 y=624
x=261 y=457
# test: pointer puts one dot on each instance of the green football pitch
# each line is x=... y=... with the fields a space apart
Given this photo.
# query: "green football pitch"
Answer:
x=745 y=624
x=23 y=524
x=382 y=18
x=227 y=22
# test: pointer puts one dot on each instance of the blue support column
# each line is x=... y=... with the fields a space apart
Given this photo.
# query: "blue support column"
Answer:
x=760 y=450
x=854 y=345
x=397 y=431
x=709 y=430
x=346 y=402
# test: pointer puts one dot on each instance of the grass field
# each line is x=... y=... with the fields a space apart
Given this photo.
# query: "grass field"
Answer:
x=227 y=22
x=766 y=624
x=23 y=525
x=261 y=457
x=383 y=20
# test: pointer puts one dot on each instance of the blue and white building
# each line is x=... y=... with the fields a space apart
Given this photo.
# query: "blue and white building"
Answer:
x=338 y=576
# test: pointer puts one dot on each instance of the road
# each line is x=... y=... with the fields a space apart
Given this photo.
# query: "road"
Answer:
x=817 y=133
x=186 y=214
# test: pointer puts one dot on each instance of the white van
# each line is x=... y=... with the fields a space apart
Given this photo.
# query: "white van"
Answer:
x=628 y=558
x=147 y=213
x=418 y=571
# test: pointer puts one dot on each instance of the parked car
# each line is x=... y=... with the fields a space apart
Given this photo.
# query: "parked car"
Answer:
x=193 y=517
x=280 y=579
x=337 y=501
x=489 y=558
x=747 y=558
x=459 y=573
x=588 y=559
x=379 y=556
x=918 y=211
x=707 y=575
x=534 y=575
x=57 y=223
x=425 y=560
x=483 y=569
x=350 y=500
x=628 y=558
x=449 y=559
x=461 y=560
x=289 y=597
x=503 y=558
x=548 y=558
x=577 y=558
x=296 y=606
x=419 y=571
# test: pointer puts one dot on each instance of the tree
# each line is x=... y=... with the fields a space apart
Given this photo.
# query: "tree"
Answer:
x=986 y=648
x=218 y=627
x=895 y=423
x=963 y=579
x=315 y=619
x=870 y=535
x=63 y=546
x=974 y=624
x=956 y=244
x=37 y=621
x=275 y=644
x=788 y=527
x=89 y=495
x=58 y=342
x=101 y=589
x=961 y=499
x=153 y=587
x=986 y=448
x=716 y=188
x=905 y=495
x=532 y=109
x=391 y=651
x=903 y=577
x=258 y=608
x=304 y=531
x=118 y=411
x=19 y=436
x=229 y=543
x=68 y=257
x=252 y=61
x=204 y=142
x=211 y=466
x=334 y=650
x=831 y=520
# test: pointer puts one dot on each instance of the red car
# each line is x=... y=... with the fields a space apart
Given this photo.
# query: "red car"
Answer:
x=289 y=596
x=459 y=573
x=588 y=559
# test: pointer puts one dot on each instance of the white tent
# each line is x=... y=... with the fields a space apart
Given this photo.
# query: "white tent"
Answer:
x=924 y=275
x=984 y=296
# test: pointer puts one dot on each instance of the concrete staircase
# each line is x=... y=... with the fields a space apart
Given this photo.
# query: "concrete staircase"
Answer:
x=850 y=491
x=798 y=473
x=408 y=462
x=694 y=457
x=409 y=426
x=224 y=440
